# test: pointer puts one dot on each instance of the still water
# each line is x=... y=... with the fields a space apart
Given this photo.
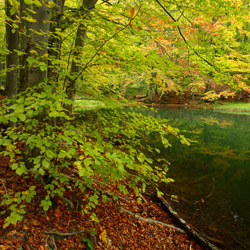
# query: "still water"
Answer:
x=212 y=176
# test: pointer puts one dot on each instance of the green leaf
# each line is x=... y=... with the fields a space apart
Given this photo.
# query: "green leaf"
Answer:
x=41 y=171
x=157 y=150
x=13 y=119
x=141 y=157
x=165 y=142
x=89 y=243
x=46 y=164
x=20 y=171
x=14 y=166
x=87 y=161
x=50 y=154
x=46 y=204
x=22 y=117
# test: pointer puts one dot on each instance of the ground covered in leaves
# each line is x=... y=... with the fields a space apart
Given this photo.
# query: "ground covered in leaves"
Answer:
x=65 y=227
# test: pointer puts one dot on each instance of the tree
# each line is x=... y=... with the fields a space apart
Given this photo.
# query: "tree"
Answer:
x=61 y=43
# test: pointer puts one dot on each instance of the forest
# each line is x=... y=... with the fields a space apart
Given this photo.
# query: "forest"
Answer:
x=79 y=80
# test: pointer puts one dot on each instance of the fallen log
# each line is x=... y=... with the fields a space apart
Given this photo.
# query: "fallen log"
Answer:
x=204 y=242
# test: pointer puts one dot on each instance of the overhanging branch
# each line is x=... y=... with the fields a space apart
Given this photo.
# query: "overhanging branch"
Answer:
x=183 y=37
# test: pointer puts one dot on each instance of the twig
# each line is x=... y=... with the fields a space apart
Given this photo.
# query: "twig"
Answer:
x=211 y=191
x=5 y=189
x=215 y=241
x=53 y=240
x=64 y=234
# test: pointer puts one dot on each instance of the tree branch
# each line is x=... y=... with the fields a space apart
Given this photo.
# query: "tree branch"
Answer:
x=183 y=37
x=99 y=49
x=64 y=234
x=7 y=195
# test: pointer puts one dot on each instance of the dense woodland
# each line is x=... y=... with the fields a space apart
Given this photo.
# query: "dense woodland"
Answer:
x=115 y=52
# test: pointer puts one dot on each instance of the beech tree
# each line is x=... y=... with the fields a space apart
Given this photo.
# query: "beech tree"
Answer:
x=50 y=47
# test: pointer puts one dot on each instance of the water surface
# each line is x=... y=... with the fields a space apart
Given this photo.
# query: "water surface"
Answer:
x=212 y=176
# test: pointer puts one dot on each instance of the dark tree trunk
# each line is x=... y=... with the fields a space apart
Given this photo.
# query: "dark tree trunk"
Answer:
x=12 y=45
x=79 y=44
x=55 y=41
x=24 y=44
x=39 y=44
x=34 y=43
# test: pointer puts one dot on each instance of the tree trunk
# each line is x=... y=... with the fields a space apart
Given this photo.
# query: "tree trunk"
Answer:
x=12 y=58
x=34 y=43
x=150 y=91
x=79 y=44
x=39 y=44
x=55 y=41
x=25 y=44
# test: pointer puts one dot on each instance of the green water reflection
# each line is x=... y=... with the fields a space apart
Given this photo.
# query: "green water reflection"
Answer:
x=212 y=176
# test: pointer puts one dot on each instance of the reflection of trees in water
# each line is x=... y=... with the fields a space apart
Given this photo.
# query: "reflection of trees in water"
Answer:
x=222 y=153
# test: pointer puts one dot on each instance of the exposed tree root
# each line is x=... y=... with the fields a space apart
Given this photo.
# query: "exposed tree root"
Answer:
x=187 y=229
x=54 y=235
x=151 y=221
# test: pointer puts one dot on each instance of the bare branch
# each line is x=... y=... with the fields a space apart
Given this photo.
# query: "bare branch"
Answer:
x=5 y=189
x=64 y=234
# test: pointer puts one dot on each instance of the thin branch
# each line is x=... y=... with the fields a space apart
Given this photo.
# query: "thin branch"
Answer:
x=182 y=14
x=53 y=241
x=211 y=191
x=64 y=234
x=5 y=189
x=163 y=50
x=107 y=2
x=183 y=37
x=109 y=20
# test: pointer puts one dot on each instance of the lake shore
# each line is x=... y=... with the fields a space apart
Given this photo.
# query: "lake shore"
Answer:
x=229 y=107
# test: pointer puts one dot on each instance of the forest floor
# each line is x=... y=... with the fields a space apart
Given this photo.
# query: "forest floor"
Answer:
x=65 y=227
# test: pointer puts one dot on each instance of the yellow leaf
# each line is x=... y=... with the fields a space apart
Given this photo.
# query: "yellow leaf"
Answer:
x=81 y=157
x=103 y=236
x=35 y=222
x=2 y=247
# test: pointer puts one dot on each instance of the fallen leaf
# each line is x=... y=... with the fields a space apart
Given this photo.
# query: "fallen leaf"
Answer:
x=103 y=236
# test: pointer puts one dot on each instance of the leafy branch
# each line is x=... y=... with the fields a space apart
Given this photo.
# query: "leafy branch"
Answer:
x=105 y=42
x=183 y=37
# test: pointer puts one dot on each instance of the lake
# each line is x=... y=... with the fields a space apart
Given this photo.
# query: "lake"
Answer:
x=212 y=176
